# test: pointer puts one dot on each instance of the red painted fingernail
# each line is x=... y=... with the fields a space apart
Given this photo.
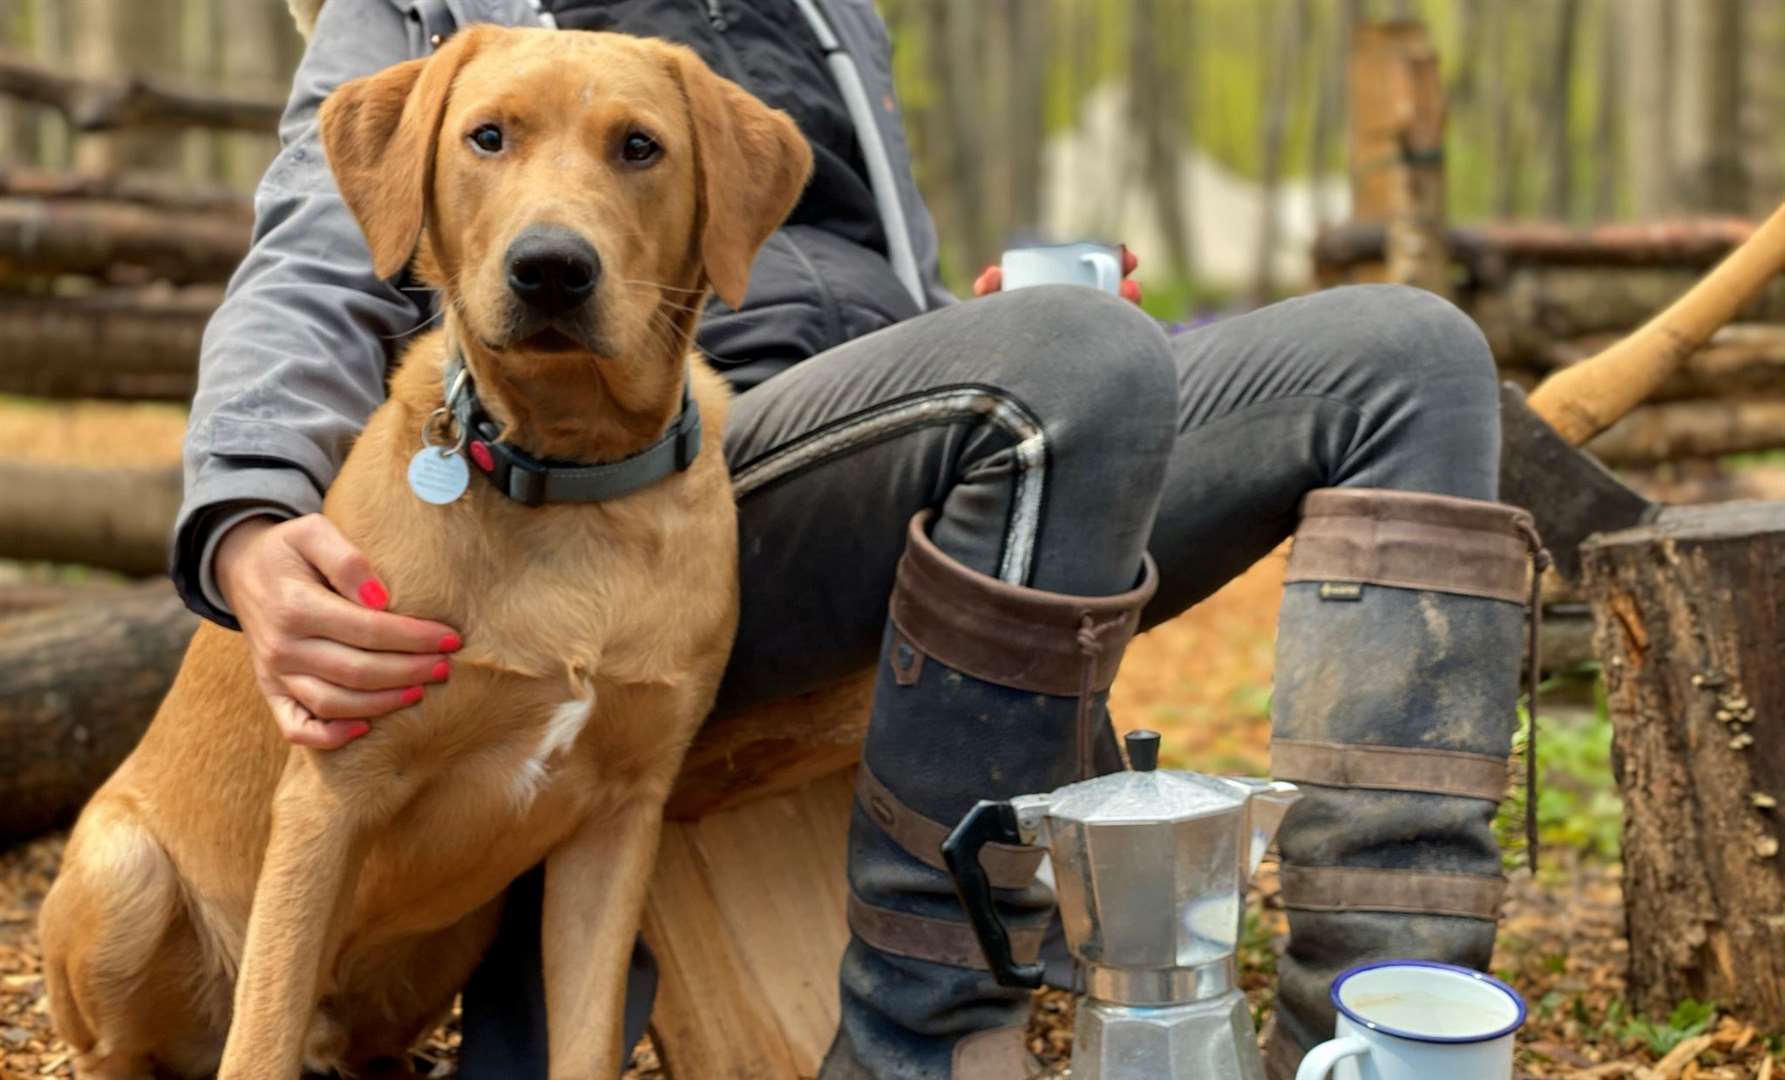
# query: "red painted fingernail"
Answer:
x=441 y=671
x=412 y=695
x=450 y=643
x=373 y=595
x=358 y=728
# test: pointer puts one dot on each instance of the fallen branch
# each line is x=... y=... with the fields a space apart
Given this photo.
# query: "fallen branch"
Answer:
x=94 y=104
x=120 y=343
x=93 y=236
x=117 y=519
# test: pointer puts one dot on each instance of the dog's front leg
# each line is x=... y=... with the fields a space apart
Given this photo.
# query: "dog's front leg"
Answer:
x=595 y=886
x=301 y=903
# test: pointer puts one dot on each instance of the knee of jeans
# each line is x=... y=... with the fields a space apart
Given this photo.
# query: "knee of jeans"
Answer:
x=1414 y=337
x=1098 y=365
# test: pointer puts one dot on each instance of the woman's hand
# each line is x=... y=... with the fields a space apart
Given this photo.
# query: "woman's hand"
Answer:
x=328 y=657
x=991 y=279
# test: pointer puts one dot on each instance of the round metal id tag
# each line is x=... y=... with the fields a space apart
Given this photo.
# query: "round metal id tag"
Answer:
x=436 y=477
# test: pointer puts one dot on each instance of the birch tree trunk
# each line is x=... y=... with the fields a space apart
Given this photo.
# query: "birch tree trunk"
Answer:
x=1159 y=52
x=1027 y=27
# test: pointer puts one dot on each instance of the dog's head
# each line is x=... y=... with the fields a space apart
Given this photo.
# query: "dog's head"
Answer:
x=571 y=194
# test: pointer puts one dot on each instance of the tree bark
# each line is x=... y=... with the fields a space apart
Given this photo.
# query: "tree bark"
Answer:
x=1028 y=27
x=1397 y=156
x=1608 y=124
x=125 y=343
x=1158 y=71
x=116 y=519
x=101 y=236
x=1708 y=126
x=1647 y=83
x=1560 y=203
x=1278 y=86
x=1689 y=619
x=78 y=685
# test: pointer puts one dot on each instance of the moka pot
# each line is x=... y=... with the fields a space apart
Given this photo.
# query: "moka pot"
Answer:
x=1151 y=868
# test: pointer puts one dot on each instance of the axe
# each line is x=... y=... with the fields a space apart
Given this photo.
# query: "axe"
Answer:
x=1542 y=468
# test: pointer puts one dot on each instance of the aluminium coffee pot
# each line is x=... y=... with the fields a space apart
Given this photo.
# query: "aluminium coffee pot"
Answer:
x=1151 y=868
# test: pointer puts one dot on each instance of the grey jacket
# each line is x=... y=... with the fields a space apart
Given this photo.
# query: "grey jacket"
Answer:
x=294 y=361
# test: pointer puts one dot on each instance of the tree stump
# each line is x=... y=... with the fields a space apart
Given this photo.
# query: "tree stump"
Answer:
x=1689 y=623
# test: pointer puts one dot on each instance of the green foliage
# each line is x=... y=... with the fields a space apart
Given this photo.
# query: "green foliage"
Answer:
x=1689 y=1019
x=1578 y=805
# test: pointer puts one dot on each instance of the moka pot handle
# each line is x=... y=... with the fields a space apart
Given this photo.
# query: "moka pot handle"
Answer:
x=988 y=822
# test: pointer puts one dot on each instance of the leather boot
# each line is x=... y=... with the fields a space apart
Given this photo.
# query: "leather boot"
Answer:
x=985 y=691
x=1394 y=705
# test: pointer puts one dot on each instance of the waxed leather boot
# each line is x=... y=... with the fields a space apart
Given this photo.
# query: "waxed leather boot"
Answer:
x=1394 y=706
x=985 y=691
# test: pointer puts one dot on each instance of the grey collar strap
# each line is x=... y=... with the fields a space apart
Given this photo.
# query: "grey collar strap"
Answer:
x=533 y=481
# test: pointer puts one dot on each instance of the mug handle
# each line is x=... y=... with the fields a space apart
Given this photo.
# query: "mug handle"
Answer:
x=1107 y=269
x=1322 y=1058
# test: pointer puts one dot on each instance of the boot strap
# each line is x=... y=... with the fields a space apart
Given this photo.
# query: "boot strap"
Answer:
x=1004 y=634
x=1403 y=892
x=1412 y=540
x=1006 y=865
x=1389 y=768
x=940 y=941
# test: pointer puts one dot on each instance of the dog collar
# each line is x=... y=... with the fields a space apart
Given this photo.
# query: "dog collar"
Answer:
x=533 y=481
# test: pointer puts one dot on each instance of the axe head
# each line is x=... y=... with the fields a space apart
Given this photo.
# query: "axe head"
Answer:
x=1570 y=494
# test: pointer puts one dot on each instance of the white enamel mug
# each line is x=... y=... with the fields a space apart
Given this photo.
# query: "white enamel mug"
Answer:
x=1416 y=1020
x=1096 y=265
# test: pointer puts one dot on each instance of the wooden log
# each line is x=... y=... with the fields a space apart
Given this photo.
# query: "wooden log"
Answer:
x=119 y=343
x=146 y=189
x=1689 y=617
x=1488 y=251
x=94 y=104
x=78 y=684
x=117 y=519
x=33 y=596
x=96 y=236
x=1671 y=431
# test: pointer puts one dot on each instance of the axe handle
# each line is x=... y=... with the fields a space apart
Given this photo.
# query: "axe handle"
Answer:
x=1584 y=399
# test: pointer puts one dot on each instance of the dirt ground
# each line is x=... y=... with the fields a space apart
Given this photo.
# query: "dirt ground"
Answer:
x=1203 y=681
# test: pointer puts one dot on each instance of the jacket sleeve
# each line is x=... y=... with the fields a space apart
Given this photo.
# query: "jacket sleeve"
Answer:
x=294 y=360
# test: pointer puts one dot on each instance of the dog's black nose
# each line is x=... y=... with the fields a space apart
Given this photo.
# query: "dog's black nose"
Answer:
x=552 y=270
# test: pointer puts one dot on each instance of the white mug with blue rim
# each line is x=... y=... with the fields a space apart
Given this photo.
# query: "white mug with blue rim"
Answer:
x=1418 y=1020
x=1096 y=265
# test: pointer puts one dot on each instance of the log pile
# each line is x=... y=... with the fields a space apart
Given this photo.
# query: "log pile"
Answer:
x=1547 y=296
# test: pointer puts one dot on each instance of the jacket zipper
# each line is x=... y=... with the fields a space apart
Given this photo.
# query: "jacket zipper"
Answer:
x=716 y=15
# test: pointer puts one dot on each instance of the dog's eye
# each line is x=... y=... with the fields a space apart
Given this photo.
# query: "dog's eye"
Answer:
x=639 y=148
x=487 y=138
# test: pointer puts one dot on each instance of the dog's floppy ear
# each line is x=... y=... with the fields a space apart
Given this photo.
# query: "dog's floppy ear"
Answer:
x=752 y=164
x=380 y=133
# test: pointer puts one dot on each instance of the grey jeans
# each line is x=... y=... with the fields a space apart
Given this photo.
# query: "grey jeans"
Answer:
x=1059 y=434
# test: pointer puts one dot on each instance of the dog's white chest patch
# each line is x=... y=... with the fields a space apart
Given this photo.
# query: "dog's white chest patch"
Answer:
x=560 y=733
